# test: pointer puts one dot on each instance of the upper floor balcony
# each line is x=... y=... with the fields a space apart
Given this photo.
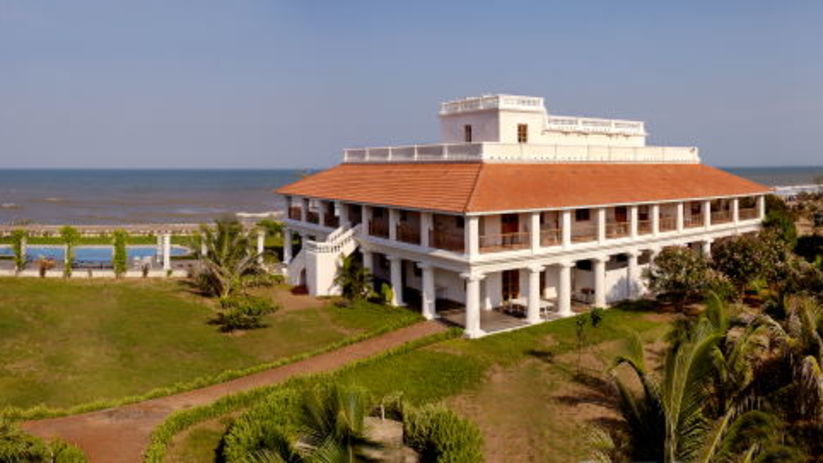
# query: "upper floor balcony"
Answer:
x=522 y=152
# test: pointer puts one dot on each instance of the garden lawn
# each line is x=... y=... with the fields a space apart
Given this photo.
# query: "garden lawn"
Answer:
x=523 y=389
x=65 y=343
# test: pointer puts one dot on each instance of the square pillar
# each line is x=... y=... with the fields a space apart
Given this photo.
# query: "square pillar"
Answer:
x=321 y=213
x=706 y=248
x=367 y=215
x=368 y=260
x=429 y=296
x=167 y=251
x=425 y=228
x=633 y=221
x=343 y=213
x=566 y=227
x=681 y=214
x=735 y=210
x=655 y=211
x=600 y=280
x=159 y=251
x=533 y=310
x=261 y=244
x=394 y=218
x=472 y=239
x=304 y=209
x=564 y=289
x=761 y=207
x=473 y=329
x=287 y=245
x=601 y=224
x=534 y=231
x=396 y=270
x=634 y=275
x=707 y=213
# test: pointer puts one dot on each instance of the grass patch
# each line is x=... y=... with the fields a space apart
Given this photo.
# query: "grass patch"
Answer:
x=88 y=344
x=515 y=376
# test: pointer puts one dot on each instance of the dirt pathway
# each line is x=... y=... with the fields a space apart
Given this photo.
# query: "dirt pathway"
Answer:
x=121 y=434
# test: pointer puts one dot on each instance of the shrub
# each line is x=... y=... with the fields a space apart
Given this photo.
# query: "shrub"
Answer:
x=746 y=258
x=70 y=237
x=18 y=245
x=252 y=433
x=120 y=258
x=18 y=446
x=243 y=312
x=386 y=294
x=780 y=219
x=354 y=280
x=439 y=435
x=681 y=275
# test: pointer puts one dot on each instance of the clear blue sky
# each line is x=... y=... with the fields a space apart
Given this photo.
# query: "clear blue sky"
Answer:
x=289 y=84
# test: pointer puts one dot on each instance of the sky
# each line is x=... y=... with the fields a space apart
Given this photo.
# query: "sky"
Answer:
x=267 y=84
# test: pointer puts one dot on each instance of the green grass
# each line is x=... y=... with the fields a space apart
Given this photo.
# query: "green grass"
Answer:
x=524 y=361
x=66 y=343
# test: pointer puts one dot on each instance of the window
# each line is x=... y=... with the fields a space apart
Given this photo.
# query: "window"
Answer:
x=522 y=133
x=459 y=222
x=643 y=212
x=467 y=133
x=582 y=215
x=696 y=208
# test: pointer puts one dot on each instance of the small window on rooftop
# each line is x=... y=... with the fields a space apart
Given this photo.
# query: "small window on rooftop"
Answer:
x=522 y=133
x=467 y=133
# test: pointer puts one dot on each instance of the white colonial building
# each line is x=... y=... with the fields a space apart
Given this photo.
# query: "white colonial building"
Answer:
x=516 y=210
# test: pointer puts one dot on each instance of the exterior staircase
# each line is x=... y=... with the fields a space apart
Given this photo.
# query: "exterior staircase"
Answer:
x=321 y=259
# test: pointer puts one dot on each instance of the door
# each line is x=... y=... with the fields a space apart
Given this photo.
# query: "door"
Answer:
x=511 y=284
x=509 y=223
x=620 y=214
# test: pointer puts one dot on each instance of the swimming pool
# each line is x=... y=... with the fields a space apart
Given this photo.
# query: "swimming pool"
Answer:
x=91 y=253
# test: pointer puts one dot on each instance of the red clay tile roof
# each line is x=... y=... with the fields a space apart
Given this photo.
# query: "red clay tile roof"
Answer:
x=489 y=187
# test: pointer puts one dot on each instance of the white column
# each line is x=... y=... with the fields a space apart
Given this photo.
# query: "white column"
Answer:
x=342 y=213
x=601 y=224
x=472 y=235
x=566 y=227
x=286 y=245
x=261 y=245
x=204 y=249
x=564 y=289
x=655 y=211
x=736 y=210
x=680 y=216
x=706 y=247
x=473 y=329
x=600 y=281
x=167 y=251
x=321 y=208
x=707 y=213
x=304 y=208
x=394 y=218
x=24 y=247
x=653 y=253
x=396 y=270
x=367 y=219
x=429 y=295
x=533 y=311
x=633 y=221
x=425 y=227
x=761 y=207
x=159 y=248
x=534 y=231
x=634 y=276
x=368 y=260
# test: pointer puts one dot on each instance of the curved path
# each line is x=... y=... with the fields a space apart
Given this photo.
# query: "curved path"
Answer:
x=121 y=434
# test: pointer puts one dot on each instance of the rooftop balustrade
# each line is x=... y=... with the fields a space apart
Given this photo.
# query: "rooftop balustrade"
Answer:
x=522 y=152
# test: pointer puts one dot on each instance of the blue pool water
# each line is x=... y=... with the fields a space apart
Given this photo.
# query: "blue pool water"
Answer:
x=91 y=253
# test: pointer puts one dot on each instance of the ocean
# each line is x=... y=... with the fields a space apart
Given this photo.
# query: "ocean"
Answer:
x=190 y=196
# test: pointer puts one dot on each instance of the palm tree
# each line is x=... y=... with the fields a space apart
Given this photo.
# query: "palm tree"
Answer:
x=332 y=430
x=70 y=237
x=230 y=256
x=354 y=280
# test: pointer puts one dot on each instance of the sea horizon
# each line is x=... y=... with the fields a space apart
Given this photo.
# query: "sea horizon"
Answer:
x=191 y=195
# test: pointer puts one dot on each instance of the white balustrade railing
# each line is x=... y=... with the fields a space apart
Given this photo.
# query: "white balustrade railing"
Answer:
x=336 y=242
x=595 y=125
x=523 y=152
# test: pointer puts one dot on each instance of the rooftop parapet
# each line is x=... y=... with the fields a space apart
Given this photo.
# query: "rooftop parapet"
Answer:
x=523 y=152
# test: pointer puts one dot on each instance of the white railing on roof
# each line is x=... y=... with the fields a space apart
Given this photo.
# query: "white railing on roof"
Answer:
x=595 y=125
x=481 y=103
x=522 y=152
